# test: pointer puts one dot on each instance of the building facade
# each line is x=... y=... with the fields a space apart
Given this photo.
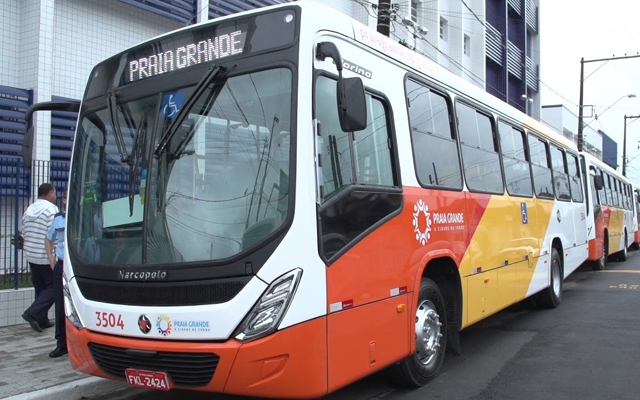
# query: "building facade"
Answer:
x=492 y=43
x=560 y=118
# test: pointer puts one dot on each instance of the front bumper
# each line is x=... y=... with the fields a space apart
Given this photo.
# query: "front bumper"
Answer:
x=291 y=363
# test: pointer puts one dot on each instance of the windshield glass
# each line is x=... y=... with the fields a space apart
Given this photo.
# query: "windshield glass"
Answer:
x=220 y=186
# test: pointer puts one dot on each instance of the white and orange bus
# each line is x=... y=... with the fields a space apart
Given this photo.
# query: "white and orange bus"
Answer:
x=636 y=224
x=611 y=217
x=280 y=202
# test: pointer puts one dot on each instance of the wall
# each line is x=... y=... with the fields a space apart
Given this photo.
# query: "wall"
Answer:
x=89 y=31
x=9 y=20
x=609 y=150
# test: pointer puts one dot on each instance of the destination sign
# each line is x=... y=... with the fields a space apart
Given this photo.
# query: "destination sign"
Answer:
x=187 y=55
x=202 y=44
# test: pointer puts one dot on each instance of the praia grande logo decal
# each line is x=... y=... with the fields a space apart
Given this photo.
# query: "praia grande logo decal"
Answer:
x=421 y=222
x=426 y=222
x=164 y=325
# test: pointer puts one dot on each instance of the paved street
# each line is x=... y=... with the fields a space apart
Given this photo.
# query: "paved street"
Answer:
x=586 y=349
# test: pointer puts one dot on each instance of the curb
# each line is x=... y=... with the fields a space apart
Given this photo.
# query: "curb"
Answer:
x=81 y=389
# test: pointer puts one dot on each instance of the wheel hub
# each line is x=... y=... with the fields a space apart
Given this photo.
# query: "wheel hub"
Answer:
x=428 y=332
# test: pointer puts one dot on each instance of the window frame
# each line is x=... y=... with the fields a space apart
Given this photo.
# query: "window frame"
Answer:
x=452 y=129
x=581 y=188
x=479 y=109
x=545 y=143
x=525 y=148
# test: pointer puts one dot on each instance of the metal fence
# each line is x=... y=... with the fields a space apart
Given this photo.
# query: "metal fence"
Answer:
x=18 y=189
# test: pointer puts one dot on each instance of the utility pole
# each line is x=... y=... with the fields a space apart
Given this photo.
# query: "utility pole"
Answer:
x=624 y=143
x=582 y=78
x=384 y=16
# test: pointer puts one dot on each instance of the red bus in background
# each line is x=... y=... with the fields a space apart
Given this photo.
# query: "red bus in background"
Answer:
x=612 y=221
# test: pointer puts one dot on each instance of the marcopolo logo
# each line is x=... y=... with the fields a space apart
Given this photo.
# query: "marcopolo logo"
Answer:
x=348 y=65
x=144 y=324
x=157 y=275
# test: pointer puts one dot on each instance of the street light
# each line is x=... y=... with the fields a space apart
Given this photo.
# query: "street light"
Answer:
x=630 y=96
x=582 y=79
x=624 y=143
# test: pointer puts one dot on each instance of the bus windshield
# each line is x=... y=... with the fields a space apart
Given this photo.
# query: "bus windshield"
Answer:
x=218 y=187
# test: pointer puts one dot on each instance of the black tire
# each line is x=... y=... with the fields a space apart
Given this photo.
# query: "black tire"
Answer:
x=635 y=246
x=624 y=253
x=551 y=297
x=431 y=320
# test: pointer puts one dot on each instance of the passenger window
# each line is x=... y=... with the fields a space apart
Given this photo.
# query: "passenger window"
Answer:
x=607 y=190
x=542 y=179
x=574 y=178
x=517 y=170
x=480 y=158
x=560 y=176
x=435 y=151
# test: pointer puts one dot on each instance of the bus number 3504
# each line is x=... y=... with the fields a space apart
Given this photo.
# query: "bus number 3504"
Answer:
x=109 y=320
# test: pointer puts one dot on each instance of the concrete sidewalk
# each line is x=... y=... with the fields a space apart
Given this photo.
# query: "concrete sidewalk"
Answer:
x=27 y=372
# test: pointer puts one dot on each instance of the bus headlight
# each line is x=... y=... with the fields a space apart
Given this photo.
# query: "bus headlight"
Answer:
x=266 y=315
x=69 y=308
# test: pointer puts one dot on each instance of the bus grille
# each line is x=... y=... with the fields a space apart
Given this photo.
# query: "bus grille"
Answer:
x=184 y=369
x=161 y=294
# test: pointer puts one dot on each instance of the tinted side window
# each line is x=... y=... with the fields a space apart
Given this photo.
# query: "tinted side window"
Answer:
x=480 y=156
x=358 y=171
x=560 y=176
x=348 y=158
x=517 y=171
x=542 y=179
x=574 y=178
x=435 y=151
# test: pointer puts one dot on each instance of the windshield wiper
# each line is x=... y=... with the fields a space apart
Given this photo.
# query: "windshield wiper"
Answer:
x=141 y=133
x=111 y=95
x=215 y=74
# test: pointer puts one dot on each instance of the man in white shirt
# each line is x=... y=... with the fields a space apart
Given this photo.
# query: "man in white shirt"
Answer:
x=36 y=221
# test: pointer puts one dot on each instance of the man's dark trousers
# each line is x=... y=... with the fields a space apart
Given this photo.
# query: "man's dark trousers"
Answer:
x=39 y=309
x=58 y=295
x=41 y=277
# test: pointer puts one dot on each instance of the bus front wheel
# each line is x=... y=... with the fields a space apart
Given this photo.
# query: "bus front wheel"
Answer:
x=431 y=339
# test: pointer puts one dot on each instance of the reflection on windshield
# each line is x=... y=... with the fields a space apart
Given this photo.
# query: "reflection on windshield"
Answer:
x=230 y=187
x=224 y=191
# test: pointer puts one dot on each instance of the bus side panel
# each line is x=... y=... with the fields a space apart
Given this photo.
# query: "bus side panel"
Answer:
x=498 y=266
x=616 y=230
x=365 y=339
x=596 y=241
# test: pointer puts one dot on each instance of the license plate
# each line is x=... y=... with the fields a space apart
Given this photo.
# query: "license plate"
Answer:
x=147 y=379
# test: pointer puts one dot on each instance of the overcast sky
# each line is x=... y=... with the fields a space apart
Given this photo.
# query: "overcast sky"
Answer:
x=571 y=29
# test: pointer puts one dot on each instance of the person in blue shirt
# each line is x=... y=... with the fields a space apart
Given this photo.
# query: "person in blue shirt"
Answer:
x=55 y=236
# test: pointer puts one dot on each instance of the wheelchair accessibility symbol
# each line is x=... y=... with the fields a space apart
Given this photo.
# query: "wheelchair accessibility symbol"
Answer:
x=171 y=104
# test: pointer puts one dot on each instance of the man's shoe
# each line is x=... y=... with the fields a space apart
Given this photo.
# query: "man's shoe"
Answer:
x=32 y=321
x=49 y=324
x=59 y=351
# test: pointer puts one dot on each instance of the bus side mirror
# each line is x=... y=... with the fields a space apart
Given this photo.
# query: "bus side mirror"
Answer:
x=598 y=182
x=352 y=108
x=352 y=104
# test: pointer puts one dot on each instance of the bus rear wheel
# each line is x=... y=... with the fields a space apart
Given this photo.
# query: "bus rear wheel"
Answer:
x=551 y=297
x=431 y=340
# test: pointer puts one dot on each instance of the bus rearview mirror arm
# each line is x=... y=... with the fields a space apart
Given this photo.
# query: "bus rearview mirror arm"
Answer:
x=352 y=105
x=27 y=143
